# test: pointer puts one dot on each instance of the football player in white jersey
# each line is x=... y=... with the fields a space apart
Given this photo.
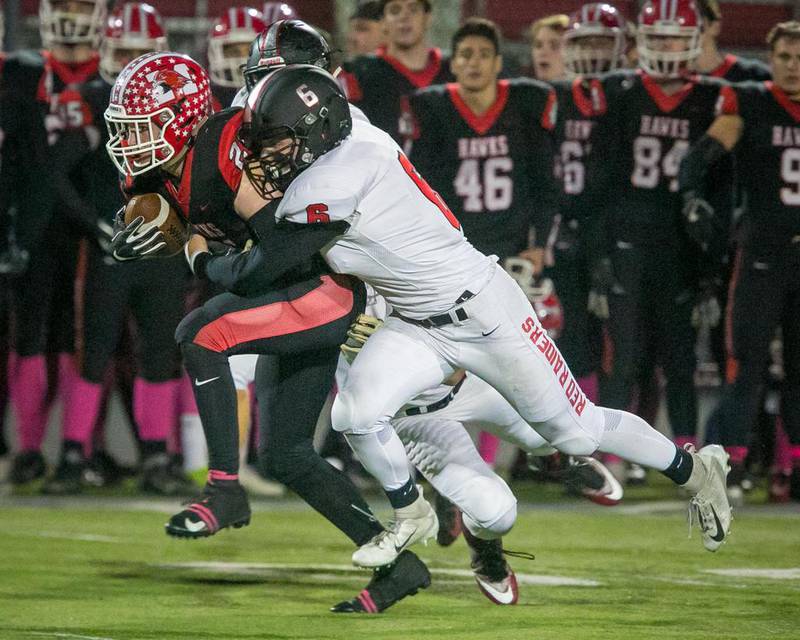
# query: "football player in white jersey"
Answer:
x=453 y=306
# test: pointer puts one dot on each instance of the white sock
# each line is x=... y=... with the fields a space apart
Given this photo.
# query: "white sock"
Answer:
x=383 y=455
x=631 y=438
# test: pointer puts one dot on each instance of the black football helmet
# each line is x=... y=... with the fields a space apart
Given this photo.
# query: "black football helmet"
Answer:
x=285 y=42
x=293 y=116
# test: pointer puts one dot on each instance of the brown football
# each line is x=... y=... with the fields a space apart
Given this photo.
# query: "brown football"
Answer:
x=157 y=211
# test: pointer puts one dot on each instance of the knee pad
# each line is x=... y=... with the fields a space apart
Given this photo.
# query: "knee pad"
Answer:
x=351 y=416
x=493 y=509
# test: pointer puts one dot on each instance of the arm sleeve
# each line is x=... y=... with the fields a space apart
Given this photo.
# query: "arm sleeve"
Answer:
x=281 y=247
x=548 y=189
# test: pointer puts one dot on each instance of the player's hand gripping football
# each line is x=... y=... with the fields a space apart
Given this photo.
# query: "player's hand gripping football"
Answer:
x=358 y=334
x=132 y=243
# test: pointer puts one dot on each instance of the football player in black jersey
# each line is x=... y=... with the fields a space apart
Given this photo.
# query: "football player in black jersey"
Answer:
x=88 y=183
x=298 y=312
x=594 y=44
x=377 y=84
x=40 y=99
x=712 y=62
x=485 y=146
x=765 y=293
x=655 y=253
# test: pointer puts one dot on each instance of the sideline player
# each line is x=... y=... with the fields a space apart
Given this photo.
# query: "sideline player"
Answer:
x=453 y=307
x=657 y=256
x=195 y=162
x=547 y=47
x=40 y=100
x=378 y=84
x=764 y=138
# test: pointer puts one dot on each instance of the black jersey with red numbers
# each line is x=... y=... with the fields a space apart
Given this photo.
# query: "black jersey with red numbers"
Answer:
x=736 y=69
x=494 y=170
x=652 y=132
x=768 y=157
x=207 y=187
x=377 y=83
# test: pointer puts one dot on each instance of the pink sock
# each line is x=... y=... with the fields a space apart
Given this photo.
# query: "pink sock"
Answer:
x=154 y=408
x=488 y=444
x=737 y=454
x=783 y=448
x=67 y=373
x=588 y=385
x=794 y=450
x=82 y=400
x=682 y=441
x=28 y=392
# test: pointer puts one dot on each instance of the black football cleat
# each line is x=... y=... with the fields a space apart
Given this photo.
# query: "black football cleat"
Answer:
x=449 y=521
x=493 y=575
x=588 y=477
x=102 y=470
x=222 y=504
x=27 y=467
x=66 y=480
x=159 y=477
x=389 y=584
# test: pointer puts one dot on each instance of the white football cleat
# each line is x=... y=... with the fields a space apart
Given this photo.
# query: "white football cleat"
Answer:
x=415 y=523
x=710 y=504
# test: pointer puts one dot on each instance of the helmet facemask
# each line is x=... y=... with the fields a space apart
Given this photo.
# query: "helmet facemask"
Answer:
x=59 y=27
x=659 y=62
x=136 y=143
x=593 y=54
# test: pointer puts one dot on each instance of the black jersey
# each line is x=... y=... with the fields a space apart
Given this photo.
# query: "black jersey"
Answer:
x=495 y=171
x=378 y=83
x=206 y=190
x=768 y=155
x=653 y=132
x=222 y=97
x=736 y=69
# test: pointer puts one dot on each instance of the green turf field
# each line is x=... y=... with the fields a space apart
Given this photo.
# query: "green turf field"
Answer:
x=101 y=567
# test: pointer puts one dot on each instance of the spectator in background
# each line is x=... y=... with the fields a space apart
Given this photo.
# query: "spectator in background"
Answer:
x=547 y=47
x=365 y=33
x=712 y=63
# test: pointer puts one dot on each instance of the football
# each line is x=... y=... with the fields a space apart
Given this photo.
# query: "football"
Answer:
x=158 y=212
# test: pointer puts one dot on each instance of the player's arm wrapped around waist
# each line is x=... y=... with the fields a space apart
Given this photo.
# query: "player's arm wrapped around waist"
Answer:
x=281 y=247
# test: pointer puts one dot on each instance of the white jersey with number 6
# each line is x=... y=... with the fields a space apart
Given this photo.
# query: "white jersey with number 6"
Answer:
x=403 y=239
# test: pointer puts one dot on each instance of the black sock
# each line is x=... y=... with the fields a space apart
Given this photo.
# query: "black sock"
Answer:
x=153 y=447
x=403 y=496
x=681 y=467
x=215 y=395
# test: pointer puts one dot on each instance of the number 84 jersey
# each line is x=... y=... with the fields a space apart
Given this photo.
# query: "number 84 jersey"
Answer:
x=653 y=131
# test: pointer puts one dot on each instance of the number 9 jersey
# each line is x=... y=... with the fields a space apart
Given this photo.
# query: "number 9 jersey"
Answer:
x=653 y=131
x=495 y=170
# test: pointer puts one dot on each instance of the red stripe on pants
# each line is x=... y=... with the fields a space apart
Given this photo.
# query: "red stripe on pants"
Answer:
x=328 y=302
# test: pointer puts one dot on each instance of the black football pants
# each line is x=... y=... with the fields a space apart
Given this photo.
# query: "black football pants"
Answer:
x=299 y=329
x=652 y=314
x=765 y=295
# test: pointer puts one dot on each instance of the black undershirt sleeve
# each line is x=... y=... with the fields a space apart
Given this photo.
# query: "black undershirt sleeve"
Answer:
x=281 y=247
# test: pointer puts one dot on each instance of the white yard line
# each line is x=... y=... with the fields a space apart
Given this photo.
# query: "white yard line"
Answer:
x=58 y=535
x=769 y=574
x=256 y=568
x=72 y=636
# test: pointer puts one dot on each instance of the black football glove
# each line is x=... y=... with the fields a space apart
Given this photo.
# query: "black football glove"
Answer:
x=129 y=243
x=706 y=312
x=698 y=217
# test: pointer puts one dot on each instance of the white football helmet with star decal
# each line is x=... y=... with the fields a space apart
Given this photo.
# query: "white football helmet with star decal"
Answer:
x=158 y=104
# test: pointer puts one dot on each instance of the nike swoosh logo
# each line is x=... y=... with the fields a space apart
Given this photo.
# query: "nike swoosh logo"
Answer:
x=720 y=535
x=400 y=547
x=198 y=383
x=194 y=527
x=490 y=332
x=503 y=597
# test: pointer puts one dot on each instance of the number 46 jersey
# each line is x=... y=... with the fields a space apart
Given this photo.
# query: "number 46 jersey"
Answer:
x=495 y=170
x=653 y=131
